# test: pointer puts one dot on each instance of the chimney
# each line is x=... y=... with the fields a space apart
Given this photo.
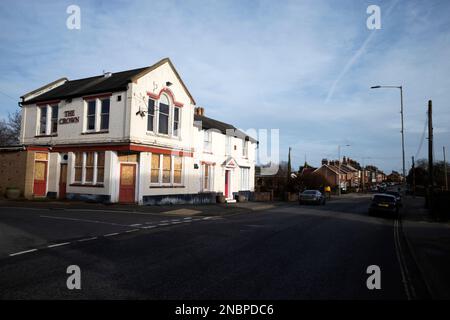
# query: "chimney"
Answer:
x=324 y=161
x=200 y=111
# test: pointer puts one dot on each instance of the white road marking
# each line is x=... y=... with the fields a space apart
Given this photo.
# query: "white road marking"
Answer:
x=111 y=234
x=188 y=218
x=136 y=225
x=409 y=289
x=132 y=230
x=164 y=221
x=87 y=239
x=85 y=220
x=175 y=220
x=22 y=252
x=149 y=227
x=163 y=224
x=187 y=221
x=58 y=244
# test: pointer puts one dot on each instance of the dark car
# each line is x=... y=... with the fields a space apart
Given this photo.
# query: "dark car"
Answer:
x=397 y=195
x=311 y=196
x=383 y=203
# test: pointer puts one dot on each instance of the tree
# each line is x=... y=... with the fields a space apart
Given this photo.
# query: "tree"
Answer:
x=10 y=130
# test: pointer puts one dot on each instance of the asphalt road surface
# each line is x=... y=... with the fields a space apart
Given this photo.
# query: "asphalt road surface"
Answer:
x=289 y=252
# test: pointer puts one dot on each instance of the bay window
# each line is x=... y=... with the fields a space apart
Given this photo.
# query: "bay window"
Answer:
x=245 y=175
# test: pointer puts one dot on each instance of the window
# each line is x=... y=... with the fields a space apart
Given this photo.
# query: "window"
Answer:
x=78 y=167
x=245 y=174
x=176 y=120
x=164 y=108
x=207 y=141
x=100 y=167
x=104 y=115
x=43 y=120
x=177 y=169
x=245 y=148
x=166 y=169
x=54 y=120
x=167 y=164
x=89 y=167
x=206 y=176
x=150 y=114
x=91 y=115
x=155 y=168
x=228 y=145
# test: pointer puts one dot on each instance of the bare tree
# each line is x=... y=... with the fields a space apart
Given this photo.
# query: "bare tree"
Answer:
x=10 y=130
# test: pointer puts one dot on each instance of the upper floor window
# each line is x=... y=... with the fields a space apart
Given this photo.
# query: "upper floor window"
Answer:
x=176 y=121
x=164 y=110
x=43 y=120
x=104 y=115
x=150 y=114
x=91 y=115
x=97 y=115
x=163 y=117
x=48 y=120
x=228 y=145
x=245 y=148
x=54 y=120
x=207 y=141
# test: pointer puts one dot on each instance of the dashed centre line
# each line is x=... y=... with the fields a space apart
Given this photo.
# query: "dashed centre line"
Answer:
x=58 y=245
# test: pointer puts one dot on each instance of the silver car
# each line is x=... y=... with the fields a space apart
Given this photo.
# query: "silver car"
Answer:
x=311 y=196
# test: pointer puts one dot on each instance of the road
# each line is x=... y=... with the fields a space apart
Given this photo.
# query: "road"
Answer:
x=288 y=252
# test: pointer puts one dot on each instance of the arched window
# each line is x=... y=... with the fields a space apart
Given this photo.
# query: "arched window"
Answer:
x=164 y=111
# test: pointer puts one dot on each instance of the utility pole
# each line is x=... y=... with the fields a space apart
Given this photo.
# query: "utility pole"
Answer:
x=403 y=139
x=413 y=177
x=445 y=171
x=430 y=153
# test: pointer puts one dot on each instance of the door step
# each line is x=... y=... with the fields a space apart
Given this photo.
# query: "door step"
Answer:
x=230 y=200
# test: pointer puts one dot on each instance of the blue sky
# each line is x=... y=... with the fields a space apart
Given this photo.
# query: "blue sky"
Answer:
x=304 y=67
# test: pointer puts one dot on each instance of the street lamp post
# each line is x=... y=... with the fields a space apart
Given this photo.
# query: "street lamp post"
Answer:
x=402 y=130
x=339 y=168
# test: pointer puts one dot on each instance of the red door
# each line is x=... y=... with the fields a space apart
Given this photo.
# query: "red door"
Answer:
x=63 y=181
x=227 y=182
x=127 y=183
x=40 y=178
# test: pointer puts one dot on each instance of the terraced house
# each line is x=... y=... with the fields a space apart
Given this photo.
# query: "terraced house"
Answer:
x=132 y=136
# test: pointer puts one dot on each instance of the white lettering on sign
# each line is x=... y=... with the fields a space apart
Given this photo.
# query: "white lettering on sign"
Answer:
x=69 y=117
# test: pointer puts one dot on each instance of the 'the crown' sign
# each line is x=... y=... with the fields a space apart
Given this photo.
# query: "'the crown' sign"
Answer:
x=69 y=117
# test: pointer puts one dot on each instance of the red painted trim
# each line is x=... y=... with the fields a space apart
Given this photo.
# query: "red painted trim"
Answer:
x=167 y=91
x=48 y=102
x=34 y=148
x=98 y=96
x=125 y=147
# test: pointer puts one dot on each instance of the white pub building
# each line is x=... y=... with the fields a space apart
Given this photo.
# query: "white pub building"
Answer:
x=134 y=136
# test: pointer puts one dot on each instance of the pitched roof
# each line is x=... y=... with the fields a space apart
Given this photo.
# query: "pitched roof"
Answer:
x=208 y=123
x=117 y=81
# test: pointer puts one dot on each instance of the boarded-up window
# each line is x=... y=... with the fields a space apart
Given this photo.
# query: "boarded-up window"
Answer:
x=155 y=168
x=89 y=167
x=78 y=166
x=167 y=162
x=100 y=167
x=177 y=169
x=206 y=169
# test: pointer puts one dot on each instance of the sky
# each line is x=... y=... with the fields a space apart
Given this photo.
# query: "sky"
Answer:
x=303 y=67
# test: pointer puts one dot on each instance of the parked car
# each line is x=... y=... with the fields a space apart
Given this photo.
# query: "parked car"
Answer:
x=397 y=195
x=383 y=203
x=311 y=196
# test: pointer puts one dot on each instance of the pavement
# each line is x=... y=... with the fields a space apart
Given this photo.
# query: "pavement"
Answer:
x=258 y=251
x=429 y=243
